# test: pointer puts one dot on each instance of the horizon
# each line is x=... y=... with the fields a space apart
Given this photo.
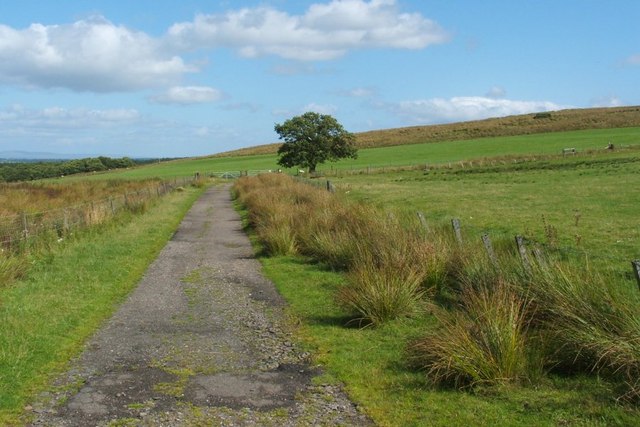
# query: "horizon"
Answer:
x=200 y=78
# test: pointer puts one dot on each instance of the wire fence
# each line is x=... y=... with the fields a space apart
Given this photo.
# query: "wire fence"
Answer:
x=16 y=230
x=530 y=249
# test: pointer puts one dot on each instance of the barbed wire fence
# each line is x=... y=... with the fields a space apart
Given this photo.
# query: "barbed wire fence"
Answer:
x=17 y=230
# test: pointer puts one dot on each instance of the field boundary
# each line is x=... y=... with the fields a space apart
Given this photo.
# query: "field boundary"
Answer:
x=16 y=230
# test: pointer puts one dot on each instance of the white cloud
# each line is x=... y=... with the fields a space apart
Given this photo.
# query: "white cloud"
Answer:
x=186 y=95
x=325 y=31
x=439 y=110
x=607 y=101
x=88 y=55
x=633 y=59
x=319 y=108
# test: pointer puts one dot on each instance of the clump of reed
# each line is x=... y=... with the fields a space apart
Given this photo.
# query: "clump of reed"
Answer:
x=485 y=340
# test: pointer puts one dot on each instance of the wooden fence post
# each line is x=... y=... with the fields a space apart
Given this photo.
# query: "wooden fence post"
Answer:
x=455 y=223
x=423 y=220
x=65 y=221
x=522 y=250
x=25 y=225
x=539 y=255
x=486 y=241
x=330 y=187
x=636 y=270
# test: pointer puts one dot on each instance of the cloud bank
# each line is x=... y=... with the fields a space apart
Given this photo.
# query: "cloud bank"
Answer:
x=465 y=108
x=95 y=55
x=88 y=55
x=324 y=32
x=186 y=95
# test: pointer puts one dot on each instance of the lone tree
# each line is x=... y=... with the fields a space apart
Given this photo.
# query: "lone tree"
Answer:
x=311 y=139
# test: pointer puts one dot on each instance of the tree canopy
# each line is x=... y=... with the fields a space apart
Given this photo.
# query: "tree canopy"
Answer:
x=313 y=138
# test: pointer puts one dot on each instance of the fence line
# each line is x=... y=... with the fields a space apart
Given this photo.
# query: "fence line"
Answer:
x=523 y=245
x=16 y=229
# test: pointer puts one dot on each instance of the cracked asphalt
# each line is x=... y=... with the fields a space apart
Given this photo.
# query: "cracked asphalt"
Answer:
x=203 y=340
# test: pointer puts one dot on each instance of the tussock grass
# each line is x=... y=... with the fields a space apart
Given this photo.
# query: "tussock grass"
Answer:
x=387 y=275
x=484 y=341
x=593 y=322
x=498 y=322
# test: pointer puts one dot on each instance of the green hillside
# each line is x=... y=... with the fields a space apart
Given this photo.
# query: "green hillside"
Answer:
x=557 y=121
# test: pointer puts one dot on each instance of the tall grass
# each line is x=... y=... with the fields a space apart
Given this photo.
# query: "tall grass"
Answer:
x=484 y=341
x=387 y=275
x=593 y=321
x=499 y=322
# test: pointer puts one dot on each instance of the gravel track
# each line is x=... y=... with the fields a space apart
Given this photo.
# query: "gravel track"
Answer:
x=203 y=340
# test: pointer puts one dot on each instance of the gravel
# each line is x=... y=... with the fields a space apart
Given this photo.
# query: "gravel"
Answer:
x=203 y=340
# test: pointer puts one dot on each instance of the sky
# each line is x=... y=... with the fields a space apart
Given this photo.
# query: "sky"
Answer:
x=165 y=78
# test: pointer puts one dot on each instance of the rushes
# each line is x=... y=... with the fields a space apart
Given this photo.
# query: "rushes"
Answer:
x=484 y=341
x=386 y=274
x=496 y=322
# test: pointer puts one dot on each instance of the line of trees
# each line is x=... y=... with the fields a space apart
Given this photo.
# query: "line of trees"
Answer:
x=12 y=172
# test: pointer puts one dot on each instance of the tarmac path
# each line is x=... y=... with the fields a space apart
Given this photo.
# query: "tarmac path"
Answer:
x=201 y=341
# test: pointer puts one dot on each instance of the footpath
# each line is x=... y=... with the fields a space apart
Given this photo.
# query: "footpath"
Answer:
x=201 y=341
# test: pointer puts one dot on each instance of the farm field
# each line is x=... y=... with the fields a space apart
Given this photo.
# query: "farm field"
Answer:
x=586 y=205
x=405 y=155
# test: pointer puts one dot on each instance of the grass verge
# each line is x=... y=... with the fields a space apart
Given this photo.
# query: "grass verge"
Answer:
x=69 y=292
x=373 y=364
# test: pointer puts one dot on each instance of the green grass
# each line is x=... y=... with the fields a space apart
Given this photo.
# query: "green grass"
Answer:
x=372 y=363
x=414 y=154
x=588 y=203
x=69 y=292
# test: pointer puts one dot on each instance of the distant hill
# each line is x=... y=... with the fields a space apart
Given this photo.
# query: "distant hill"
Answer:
x=555 y=121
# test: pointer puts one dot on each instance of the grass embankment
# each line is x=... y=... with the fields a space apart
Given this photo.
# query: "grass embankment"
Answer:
x=70 y=290
x=453 y=338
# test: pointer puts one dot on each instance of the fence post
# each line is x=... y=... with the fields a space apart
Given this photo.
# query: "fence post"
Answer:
x=330 y=187
x=522 y=250
x=539 y=255
x=25 y=227
x=423 y=220
x=636 y=270
x=455 y=223
x=65 y=221
x=486 y=241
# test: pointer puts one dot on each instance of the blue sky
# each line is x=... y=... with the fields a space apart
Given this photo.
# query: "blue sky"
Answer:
x=161 y=78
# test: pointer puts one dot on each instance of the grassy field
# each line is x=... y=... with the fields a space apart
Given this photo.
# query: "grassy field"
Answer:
x=372 y=363
x=525 y=124
x=587 y=203
x=414 y=154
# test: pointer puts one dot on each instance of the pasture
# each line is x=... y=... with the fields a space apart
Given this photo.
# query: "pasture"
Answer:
x=582 y=207
x=404 y=155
